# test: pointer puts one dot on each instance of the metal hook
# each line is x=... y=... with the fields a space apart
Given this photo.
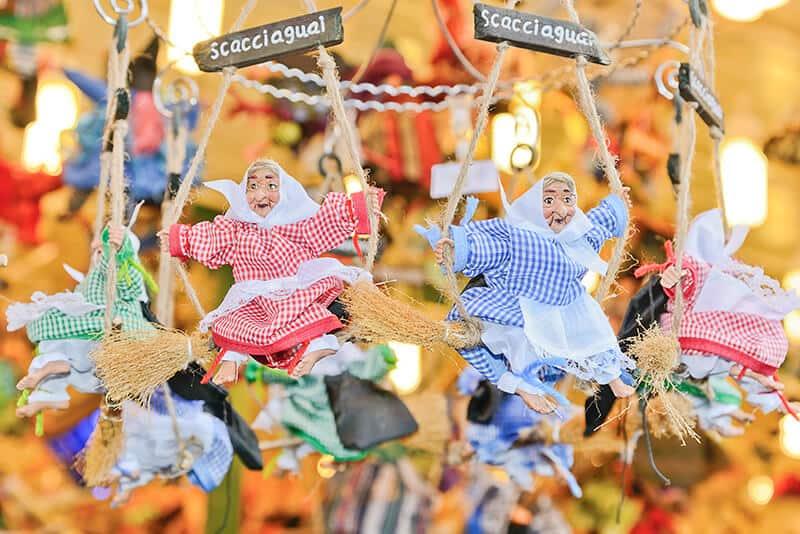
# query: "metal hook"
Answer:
x=180 y=91
x=667 y=80
x=122 y=11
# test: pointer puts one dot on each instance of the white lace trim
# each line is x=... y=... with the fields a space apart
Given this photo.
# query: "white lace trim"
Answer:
x=71 y=303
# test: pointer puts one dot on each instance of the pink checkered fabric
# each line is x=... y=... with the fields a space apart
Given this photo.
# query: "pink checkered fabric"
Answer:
x=264 y=326
x=751 y=340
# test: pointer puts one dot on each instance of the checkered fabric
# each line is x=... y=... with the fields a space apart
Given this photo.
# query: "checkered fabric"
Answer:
x=265 y=326
x=753 y=341
x=518 y=262
x=130 y=286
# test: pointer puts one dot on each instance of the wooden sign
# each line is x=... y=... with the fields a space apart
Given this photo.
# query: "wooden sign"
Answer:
x=534 y=32
x=270 y=41
x=693 y=89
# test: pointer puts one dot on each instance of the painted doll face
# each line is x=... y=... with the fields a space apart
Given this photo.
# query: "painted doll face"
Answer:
x=558 y=205
x=263 y=191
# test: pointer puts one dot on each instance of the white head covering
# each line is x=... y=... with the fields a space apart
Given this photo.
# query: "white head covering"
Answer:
x=733 y=286
x=706 y=238
x=526 y=212
x=294 y=204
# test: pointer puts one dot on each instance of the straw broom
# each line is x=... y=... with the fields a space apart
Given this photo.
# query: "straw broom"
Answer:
x=133 y=364
x=379 y=315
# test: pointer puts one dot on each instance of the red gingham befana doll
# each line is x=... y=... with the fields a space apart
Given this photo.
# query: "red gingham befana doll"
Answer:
x=272 y=236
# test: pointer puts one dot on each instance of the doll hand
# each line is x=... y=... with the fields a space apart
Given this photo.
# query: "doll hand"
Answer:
x=115 y=235
x=163 y=240
x=626 y=196
x=670 y=276
x=432 y=234
x=438 y=250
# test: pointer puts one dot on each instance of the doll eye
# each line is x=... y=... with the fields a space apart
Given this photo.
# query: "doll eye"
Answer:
x=548 y=201
x=253 y=186
x=569 y=199
x=272 y=187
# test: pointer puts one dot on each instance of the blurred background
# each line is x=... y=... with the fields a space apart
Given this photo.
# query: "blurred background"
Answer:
x=47 y=203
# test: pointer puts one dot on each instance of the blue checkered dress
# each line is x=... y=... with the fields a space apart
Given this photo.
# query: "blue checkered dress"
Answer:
x=517 y=262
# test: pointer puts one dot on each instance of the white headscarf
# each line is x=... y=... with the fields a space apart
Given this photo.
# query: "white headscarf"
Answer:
x=752 y=291
x=526 y=212
x=706 y=238
x=294 y=204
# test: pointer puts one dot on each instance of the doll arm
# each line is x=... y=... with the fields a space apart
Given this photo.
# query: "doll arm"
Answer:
x=211 y=243
x=335 y=222
x=130 y=283
x=479 y=247
x=609 y=219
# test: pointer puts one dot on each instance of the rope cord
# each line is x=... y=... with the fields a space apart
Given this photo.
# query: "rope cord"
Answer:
x=588 y=106
x=352 y=144
x=118 y=113
x=182 y=195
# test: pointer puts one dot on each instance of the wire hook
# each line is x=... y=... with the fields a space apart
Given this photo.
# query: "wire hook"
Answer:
x=666 y=78
x=129 y=5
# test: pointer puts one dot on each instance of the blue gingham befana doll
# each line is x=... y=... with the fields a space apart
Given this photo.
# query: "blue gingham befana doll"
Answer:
x=534 y=309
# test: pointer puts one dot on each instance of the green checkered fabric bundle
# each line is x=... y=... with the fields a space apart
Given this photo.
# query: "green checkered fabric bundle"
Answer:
x=131 y=280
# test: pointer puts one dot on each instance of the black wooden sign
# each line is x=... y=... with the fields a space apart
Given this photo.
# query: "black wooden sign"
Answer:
x=534 y=32
x=270 y=41
x=693 y=89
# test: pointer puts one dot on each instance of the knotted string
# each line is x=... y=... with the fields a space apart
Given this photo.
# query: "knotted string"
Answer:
x=588 y=106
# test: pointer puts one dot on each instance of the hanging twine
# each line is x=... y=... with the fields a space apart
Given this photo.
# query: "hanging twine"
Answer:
x=689 y=134
x=182 y=195
x=177 y=136
x=352 y=144
x=588 y=106
x=453 y=200
x=117 y=81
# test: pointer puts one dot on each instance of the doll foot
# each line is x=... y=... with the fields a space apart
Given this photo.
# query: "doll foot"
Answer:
x=537 y=403
x=32 y=408
x=308 y=361
x=32 y=379
x=764 y=380
x=621 y=389
x=227 y=373
x=743 y=417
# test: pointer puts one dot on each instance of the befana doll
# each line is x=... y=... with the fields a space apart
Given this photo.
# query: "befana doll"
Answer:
x=273 y=235
x=533 y=307
x=732 y=315
x=67 y=326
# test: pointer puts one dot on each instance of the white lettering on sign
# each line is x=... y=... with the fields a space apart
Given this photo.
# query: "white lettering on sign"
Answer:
x=288 y=35
x=558 y=34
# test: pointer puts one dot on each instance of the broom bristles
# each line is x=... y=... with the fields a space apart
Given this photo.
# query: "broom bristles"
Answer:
x=377 y=316
x=101 y=452
x=133 y=364
x=657 y=356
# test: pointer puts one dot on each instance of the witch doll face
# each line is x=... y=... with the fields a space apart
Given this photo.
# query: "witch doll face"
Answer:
x=558 y=205
x=263 y=191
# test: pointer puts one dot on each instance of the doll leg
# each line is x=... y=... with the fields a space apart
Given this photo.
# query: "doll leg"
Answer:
x=494 y=369
x=621 y=389
x=43 y=366
x=228 y=370
x=764 y=380
x=319 y=348
x=51 y=394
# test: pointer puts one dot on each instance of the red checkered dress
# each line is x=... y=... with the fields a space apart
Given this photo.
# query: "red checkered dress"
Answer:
x=268 y=329
x=751 y=340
